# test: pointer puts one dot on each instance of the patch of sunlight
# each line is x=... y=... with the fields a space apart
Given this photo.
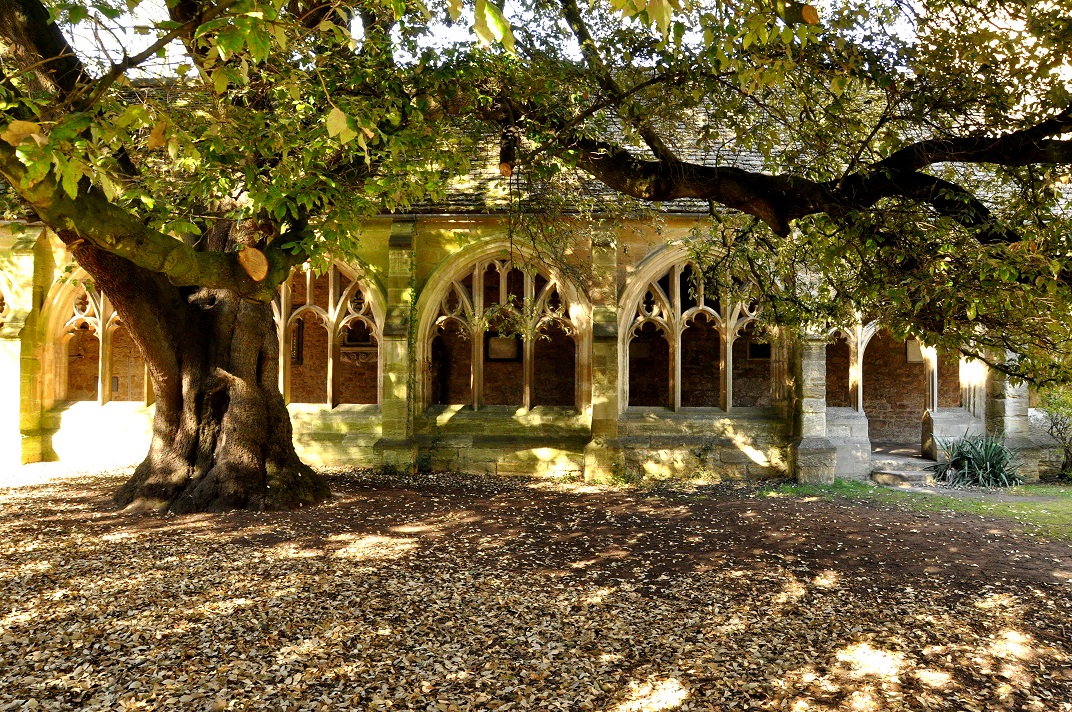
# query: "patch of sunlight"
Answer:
x=862 y=700
x=651 y=697
x=932 y=678
x=227 y=607
x=801 y=706
x=372 y=546
x=117 y=536
x=416 y=528
x=1014 y=672
x=596 y=598
x=1012 y=644
x=290 y=551
x=611 y=658
x=867 y=661
x=657 y=470
x=16 y=618
x=791 y=592
x=826 y=579
x=733 y=625
x=996 y=600
x=755 y=455
x=583 y=564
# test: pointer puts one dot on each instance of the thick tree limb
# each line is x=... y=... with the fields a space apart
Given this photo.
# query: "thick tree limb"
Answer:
x=25 y=24
x=95 y=219
x=778 y=200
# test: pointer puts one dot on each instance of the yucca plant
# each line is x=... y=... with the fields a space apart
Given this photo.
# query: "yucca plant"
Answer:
x=977 y=460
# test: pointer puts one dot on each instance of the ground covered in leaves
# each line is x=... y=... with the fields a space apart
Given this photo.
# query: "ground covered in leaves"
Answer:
x=446 y=593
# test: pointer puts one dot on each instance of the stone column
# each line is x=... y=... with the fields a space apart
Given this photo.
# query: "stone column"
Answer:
x=603 y=454
x=27 y=267
x=1007 y=417
x=397 y=409
x=812 y=456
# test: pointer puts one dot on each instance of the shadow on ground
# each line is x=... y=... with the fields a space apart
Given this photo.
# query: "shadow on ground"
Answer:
x=440 y=592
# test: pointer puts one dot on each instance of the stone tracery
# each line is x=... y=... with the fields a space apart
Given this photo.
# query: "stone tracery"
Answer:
x=494 y=323
x=344 y=352
x=677 y=329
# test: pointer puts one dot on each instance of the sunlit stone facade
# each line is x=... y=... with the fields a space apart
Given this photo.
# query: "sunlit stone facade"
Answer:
x=444 y=344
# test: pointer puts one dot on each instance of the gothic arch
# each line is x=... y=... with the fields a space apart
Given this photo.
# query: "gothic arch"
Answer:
x=455 y=295
x=656 y=294
x=353 y=303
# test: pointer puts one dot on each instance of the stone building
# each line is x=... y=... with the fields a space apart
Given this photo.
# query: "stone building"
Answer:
x=401 y=358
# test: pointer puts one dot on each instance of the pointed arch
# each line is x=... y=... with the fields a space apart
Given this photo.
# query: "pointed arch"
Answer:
x=499 y=284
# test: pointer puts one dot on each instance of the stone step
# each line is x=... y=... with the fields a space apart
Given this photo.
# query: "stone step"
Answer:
x=902 y=478
x=900 y=463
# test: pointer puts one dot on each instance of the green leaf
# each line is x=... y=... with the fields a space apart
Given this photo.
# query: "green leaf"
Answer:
x=72 y=173
x=338 y=124
x=259 y=43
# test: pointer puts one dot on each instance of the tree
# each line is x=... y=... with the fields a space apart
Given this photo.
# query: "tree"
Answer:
x=188 y=201
x=904 y=161
x=909 y=164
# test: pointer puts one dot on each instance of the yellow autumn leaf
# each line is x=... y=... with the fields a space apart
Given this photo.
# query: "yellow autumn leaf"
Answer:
x=17 y=131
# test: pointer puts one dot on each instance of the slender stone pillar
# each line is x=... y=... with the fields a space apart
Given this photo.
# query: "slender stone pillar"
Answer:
x=603 y=454
x=24 y=285
x=397 y=408
x=1007 y=408
x=812 y=456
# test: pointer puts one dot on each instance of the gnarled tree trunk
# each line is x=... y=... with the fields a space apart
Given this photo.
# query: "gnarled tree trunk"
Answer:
x=221 y=434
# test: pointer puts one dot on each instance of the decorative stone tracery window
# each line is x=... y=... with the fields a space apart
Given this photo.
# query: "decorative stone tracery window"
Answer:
x=504 y=335
x=684 y=348
x=330 y=339
x=102 y=361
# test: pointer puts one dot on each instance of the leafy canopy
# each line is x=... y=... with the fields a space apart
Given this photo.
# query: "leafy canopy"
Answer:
x=901 y=161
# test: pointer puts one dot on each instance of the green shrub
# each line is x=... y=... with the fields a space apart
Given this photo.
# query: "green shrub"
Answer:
x=1056 y=404
x=977 y=460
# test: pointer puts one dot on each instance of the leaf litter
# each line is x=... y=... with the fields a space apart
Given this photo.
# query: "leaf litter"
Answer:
x=444 y=592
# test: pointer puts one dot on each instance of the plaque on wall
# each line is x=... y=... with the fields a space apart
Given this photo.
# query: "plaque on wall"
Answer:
x=502 y=348
x=914 y=351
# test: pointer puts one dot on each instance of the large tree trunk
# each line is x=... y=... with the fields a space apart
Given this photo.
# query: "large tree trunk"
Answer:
x=221 y=433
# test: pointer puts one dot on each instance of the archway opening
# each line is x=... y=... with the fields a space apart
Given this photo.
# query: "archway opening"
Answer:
x=838 y=369
x=555 y=360
x=894 y=390
x=451 y=365
x=649 y=368
x=308 y=361
x=127 y=379
x=83 y=364
x=701 y=370
x=949 y=391
x=357 y=369
x=751 y=369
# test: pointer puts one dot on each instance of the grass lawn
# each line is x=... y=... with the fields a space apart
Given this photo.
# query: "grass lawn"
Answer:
x=1045 y=509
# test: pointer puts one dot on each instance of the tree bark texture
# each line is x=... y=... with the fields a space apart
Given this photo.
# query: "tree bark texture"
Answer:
x=221 y=433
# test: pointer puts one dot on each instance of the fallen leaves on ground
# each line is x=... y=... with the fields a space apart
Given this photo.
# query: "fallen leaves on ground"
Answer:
x=447 y=593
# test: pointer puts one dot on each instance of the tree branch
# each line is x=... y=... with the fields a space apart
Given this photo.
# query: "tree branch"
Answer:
x=606 y=80
x=93 y=218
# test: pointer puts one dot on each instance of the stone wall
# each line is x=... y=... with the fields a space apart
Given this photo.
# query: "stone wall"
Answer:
x=128 y=368
x=700 y=369
x=838 y=362
x=893 y=391
x=83 y=366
